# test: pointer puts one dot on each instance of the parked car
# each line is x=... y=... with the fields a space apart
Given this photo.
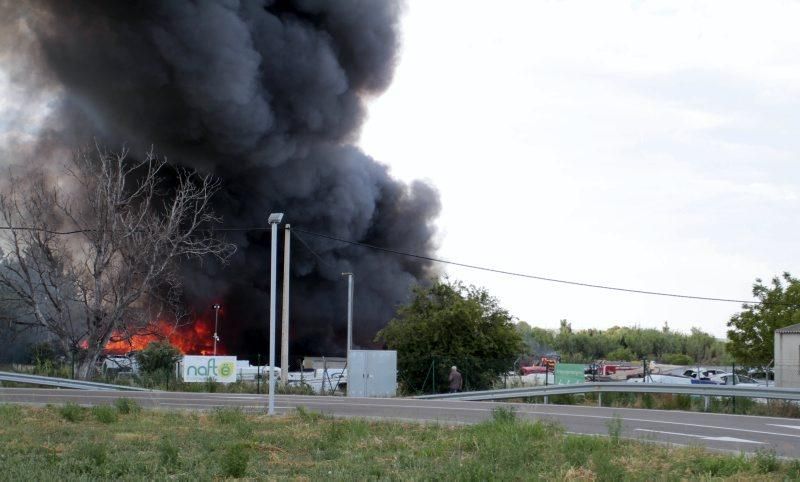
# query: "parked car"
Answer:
x=734 y=379
x=116 y=364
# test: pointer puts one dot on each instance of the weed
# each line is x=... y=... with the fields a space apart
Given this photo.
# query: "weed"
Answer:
x=235 y=460
x=105 y=413
x=228 y=416
x=504 y=414
x=614 y=428
x=307 y=416
x=93 y=452
x=303 y=389
x=9 y=414
x=71 y=412
x=766 y=462
x=578 y=450
x=168 y=452
x=127 y=406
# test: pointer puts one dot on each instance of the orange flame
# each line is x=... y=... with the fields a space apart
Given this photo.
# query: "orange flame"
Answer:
x=196 y=338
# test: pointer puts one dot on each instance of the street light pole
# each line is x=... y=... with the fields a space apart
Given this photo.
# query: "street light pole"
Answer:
x=216 y=326
x=287 y=237
x=349 y=314
x=274 y=220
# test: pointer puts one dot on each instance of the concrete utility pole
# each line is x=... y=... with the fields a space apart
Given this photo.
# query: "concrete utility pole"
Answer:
x=216 y=326
x=274 y=220
x=349 y=313
x=287 y=238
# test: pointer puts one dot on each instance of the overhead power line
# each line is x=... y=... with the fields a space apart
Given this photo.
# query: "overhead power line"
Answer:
x=525 y=275
x=449 y=262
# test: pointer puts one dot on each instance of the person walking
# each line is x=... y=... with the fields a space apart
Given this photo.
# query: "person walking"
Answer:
x=455 y=380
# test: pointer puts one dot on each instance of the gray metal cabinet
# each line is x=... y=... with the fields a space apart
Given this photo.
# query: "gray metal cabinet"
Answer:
x=372 y=373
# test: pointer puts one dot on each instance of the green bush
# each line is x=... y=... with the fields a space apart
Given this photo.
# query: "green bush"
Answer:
x=235 y=460
x=621 y=354
x=158 y=358
x=71 y=412
x=678 y=359
x=105 y=413
x=126 y=406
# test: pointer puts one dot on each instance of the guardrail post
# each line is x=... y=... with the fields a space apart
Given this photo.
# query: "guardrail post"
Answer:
x=599 y=399
x=705 y=403
x=545 y=399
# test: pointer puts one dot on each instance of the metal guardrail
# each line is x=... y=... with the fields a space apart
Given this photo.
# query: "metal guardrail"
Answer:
x=610 y=387
x=63 y=382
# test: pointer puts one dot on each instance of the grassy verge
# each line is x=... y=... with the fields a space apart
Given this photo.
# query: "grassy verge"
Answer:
x=58 y=443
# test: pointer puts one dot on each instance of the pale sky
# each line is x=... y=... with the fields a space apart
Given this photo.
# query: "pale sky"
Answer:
x=641 y=144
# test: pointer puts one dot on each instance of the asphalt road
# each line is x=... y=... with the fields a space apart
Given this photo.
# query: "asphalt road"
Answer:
x=731 y=433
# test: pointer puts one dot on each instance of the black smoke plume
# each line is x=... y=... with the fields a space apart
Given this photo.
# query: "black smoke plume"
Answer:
x=267 y=95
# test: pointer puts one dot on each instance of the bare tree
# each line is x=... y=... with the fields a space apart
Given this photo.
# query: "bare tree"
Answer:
x=94 y=251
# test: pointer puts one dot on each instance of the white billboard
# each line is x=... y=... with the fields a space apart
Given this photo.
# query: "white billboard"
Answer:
x=202 y=368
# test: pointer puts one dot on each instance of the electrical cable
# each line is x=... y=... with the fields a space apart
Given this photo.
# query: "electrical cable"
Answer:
x=453 y=263
x=531 y=276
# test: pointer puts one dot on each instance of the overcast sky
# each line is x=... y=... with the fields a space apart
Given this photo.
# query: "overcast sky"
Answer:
x=642 y=144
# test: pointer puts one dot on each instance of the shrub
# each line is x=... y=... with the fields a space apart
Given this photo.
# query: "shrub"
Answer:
x=678 y=359
x=71 y=412
x=105 y=413
x=235 y=460
x=126 y=406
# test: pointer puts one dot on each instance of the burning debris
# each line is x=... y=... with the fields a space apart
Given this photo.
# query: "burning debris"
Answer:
x=195 y=338
x=269 y=97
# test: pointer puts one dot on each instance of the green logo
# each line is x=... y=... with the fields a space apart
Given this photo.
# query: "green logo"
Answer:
x=227 y=369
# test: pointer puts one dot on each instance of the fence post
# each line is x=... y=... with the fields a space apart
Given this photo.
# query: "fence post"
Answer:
x=433 y=374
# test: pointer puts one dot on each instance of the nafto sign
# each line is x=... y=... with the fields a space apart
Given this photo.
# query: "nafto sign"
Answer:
x=202 y=368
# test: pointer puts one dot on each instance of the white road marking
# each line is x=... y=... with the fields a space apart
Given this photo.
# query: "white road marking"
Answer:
x=785 y=426
x=703 y=437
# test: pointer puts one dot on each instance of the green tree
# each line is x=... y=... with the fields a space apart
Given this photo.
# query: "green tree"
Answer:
x=751 y=334
x=455 y=325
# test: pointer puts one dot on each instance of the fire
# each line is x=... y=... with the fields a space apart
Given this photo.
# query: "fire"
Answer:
x=196 y=338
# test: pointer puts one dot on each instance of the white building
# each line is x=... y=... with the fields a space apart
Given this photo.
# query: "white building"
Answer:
x=787 y=356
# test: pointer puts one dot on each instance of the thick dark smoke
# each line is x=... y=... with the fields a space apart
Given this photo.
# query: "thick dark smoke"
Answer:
x=269 y=96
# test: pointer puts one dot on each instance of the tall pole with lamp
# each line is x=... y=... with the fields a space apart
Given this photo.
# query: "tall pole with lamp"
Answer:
x=216 y=326
x=274 y=220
